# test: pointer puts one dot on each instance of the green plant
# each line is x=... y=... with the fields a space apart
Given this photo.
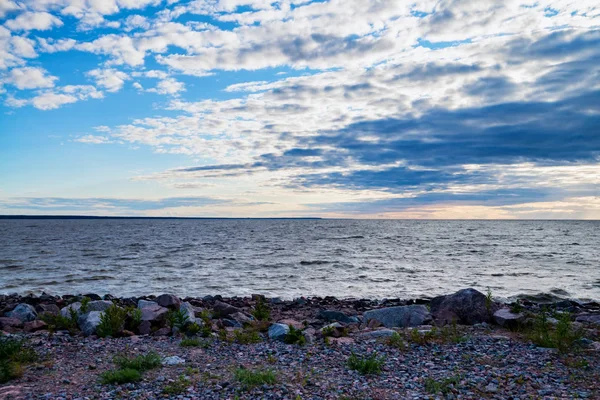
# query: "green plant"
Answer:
x=295 y=336
x=246 y=337
x=444 y=385
x=119 y=376
x=328 y=331
x=177 y=319
x=190 y=342
x=223 y=336
x=397 y=341
x=366 y=365
x=451 y=334
x=489 y=301
x=562 y=337
x=59 y=323
x=112 y=321
x=516 y=307
x=261 y=310
x=193 y=329
x=143 y=362
x=13 y=353
x=250 y=378
x=177 y=387
x=85 y=303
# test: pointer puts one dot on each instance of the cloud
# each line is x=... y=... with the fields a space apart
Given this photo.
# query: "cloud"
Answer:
x=31 y=78
x=57 y=97
x=93 y=139
x=110 y=79
x=168 y=86
x=33 y=21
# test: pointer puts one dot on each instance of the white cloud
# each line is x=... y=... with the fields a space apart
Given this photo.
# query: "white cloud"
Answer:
x=33 y=21
x=136 y=22
x=51 y=100
x=168 y=86
x=110 y=79
x=7 y=6
x=93 y=139
x=31 y=78
x=53 y=46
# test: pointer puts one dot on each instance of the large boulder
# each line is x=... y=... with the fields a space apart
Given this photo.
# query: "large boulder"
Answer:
x=466 y=307
x=99 y=305
x=505 y=318
x=34 y=326
x=278 y=331
x=88 y=322
x=23 y=312
x=399 y=317
x=146 y=303
x=155 y=314
x=66 y=311
x=51 y=309
x=168 y=301
x=10 y=324
x=332 y=315
x=223 y=309
x=188 y=310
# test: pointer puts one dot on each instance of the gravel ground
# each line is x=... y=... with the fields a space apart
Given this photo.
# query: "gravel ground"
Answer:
x=491 y=363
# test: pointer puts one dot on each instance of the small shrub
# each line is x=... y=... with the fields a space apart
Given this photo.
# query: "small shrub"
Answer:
x=190 y=342
x=562 y=337
x=423 y=338
x=516 y=307
x=246 y=337
x=250 y=378
x=177 y=319
x=112 y=321
x=370 y=365
x=223 y=336
x=328 y=331
x=489 y=301
x=397 y=341
x=444 y=386
x=134 y=318
x=451 y=334
x=13 y=353
x=193 y=329
x=85 y=303
x=177 y=387
x=59 y=323
x=120 y=376
x=295 y=336
x=261 y=311
x=140 y=363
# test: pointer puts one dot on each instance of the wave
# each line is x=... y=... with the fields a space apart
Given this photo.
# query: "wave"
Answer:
x=315 y=262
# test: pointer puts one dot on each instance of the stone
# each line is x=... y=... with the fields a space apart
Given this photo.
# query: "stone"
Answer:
x=224 y=309
x=278 y=331
x=380 y=333
x=505 y=318
x=332 y=315
x=88 y=322
x=340 y=340
x=400 y=316
x=155 y=314
x=169 y=301
x=173 y=360
x=145 y=328
x=188 y=310
x=99 y=305
x=23 y=312
x=466 y=307
x=47 y=309
x=162 y=332
x=241 y=317
x=66 y=311
x=34 y=326
x=292 y=322
x=231 y=323
x=589 y=318
x=8 y=322
x=146 y=303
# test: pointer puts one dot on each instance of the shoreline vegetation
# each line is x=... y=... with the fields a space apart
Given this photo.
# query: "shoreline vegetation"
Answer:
x=464 y=345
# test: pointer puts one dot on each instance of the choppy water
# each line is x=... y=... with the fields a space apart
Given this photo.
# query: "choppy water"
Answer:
x=289 y=258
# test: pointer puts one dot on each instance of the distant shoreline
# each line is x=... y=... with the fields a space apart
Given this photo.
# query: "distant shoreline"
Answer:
x=137 y=217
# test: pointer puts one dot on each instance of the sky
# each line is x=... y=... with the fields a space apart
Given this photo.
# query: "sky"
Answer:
x=339 y=108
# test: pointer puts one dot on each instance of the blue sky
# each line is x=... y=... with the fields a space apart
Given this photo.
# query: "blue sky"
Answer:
x=254 y=108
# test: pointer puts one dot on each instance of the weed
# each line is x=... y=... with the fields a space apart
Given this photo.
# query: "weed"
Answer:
x=13 y=353
x=328 y=331
x=177 y=319
x=261 y=310
x=516 y=307
x=444 y=385
x=135 y=316
x=366 y=365
x=422 y=338
x=397 y=341
x=489 y=301
x=193 y=329
x=451 y=334
x=246 y=337
x=59 y=323
x=250 y=378
x=177 y=387
x=295 y=336
x=562 y=337
x=223 y=336
x=190 y=342
x=85 y=303
x=271 y=359
x=140 y=363
x=119 y=376
x=112 y=321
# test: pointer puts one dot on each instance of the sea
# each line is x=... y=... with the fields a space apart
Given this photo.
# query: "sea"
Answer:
x=290 y=258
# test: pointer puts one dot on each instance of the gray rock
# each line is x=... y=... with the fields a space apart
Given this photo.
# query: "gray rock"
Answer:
x=231 y=323
x=169 y=301
x=7 y=322
x=278 y=331
x=224 y=309
x=378 y=333
x=162 y=332
x=99 y=305
x=173 y=360
x=589 y=318
x=466 y=307
x=504 y=317
x=23 y=312
x=155 y=314
x=401 y=316
x=145 y=328
x=188 y=310
x=332 y=315
x=146 y=303
x=47 y=309
x=88 y=322
x=241 y=317
x=66 y=311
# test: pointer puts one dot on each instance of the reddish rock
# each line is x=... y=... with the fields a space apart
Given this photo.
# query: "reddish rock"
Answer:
x=155 y=315
x=47 y=309
x=145 y=328
x=34 y=326
x=162 y=332
x=10 y=325
x=224 y=309
x=292 y=322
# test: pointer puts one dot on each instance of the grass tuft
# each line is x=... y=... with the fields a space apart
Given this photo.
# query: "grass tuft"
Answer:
x=141 y=363
x=177 y=387
x=370 y=365
x=251 y=378
x=261 y=311
x=13 y=353
x=120 y=376
x=295 y=336
x=112 y=321
x=246 y=336
x=444 y=385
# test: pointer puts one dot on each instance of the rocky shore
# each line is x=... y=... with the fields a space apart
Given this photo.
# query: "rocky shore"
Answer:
x=464 y=345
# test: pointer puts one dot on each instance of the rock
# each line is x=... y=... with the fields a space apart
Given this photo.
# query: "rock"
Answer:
x=169 y=301
x=23 y=312
x=47 y=309
x=231 y=323
x=8 y=322
x=589 y=318
x=241 y=317
x=93 y=296
x=34 y=326
x=155 y=314
x=401 y=316
x=188 y=310
x=173 y=360
x=491 y=388
x=292 y=322
x=146 y=303
x=341 y=340
x=467 y=307
x=335 y=330
x=505 y=318
x=332 y=315
x=224 y=309
x=88 y=322
x=145 y=328
x=278 y=331
x=380 y=333
x=162 y=332
x=66 y=311
x=99 y=305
